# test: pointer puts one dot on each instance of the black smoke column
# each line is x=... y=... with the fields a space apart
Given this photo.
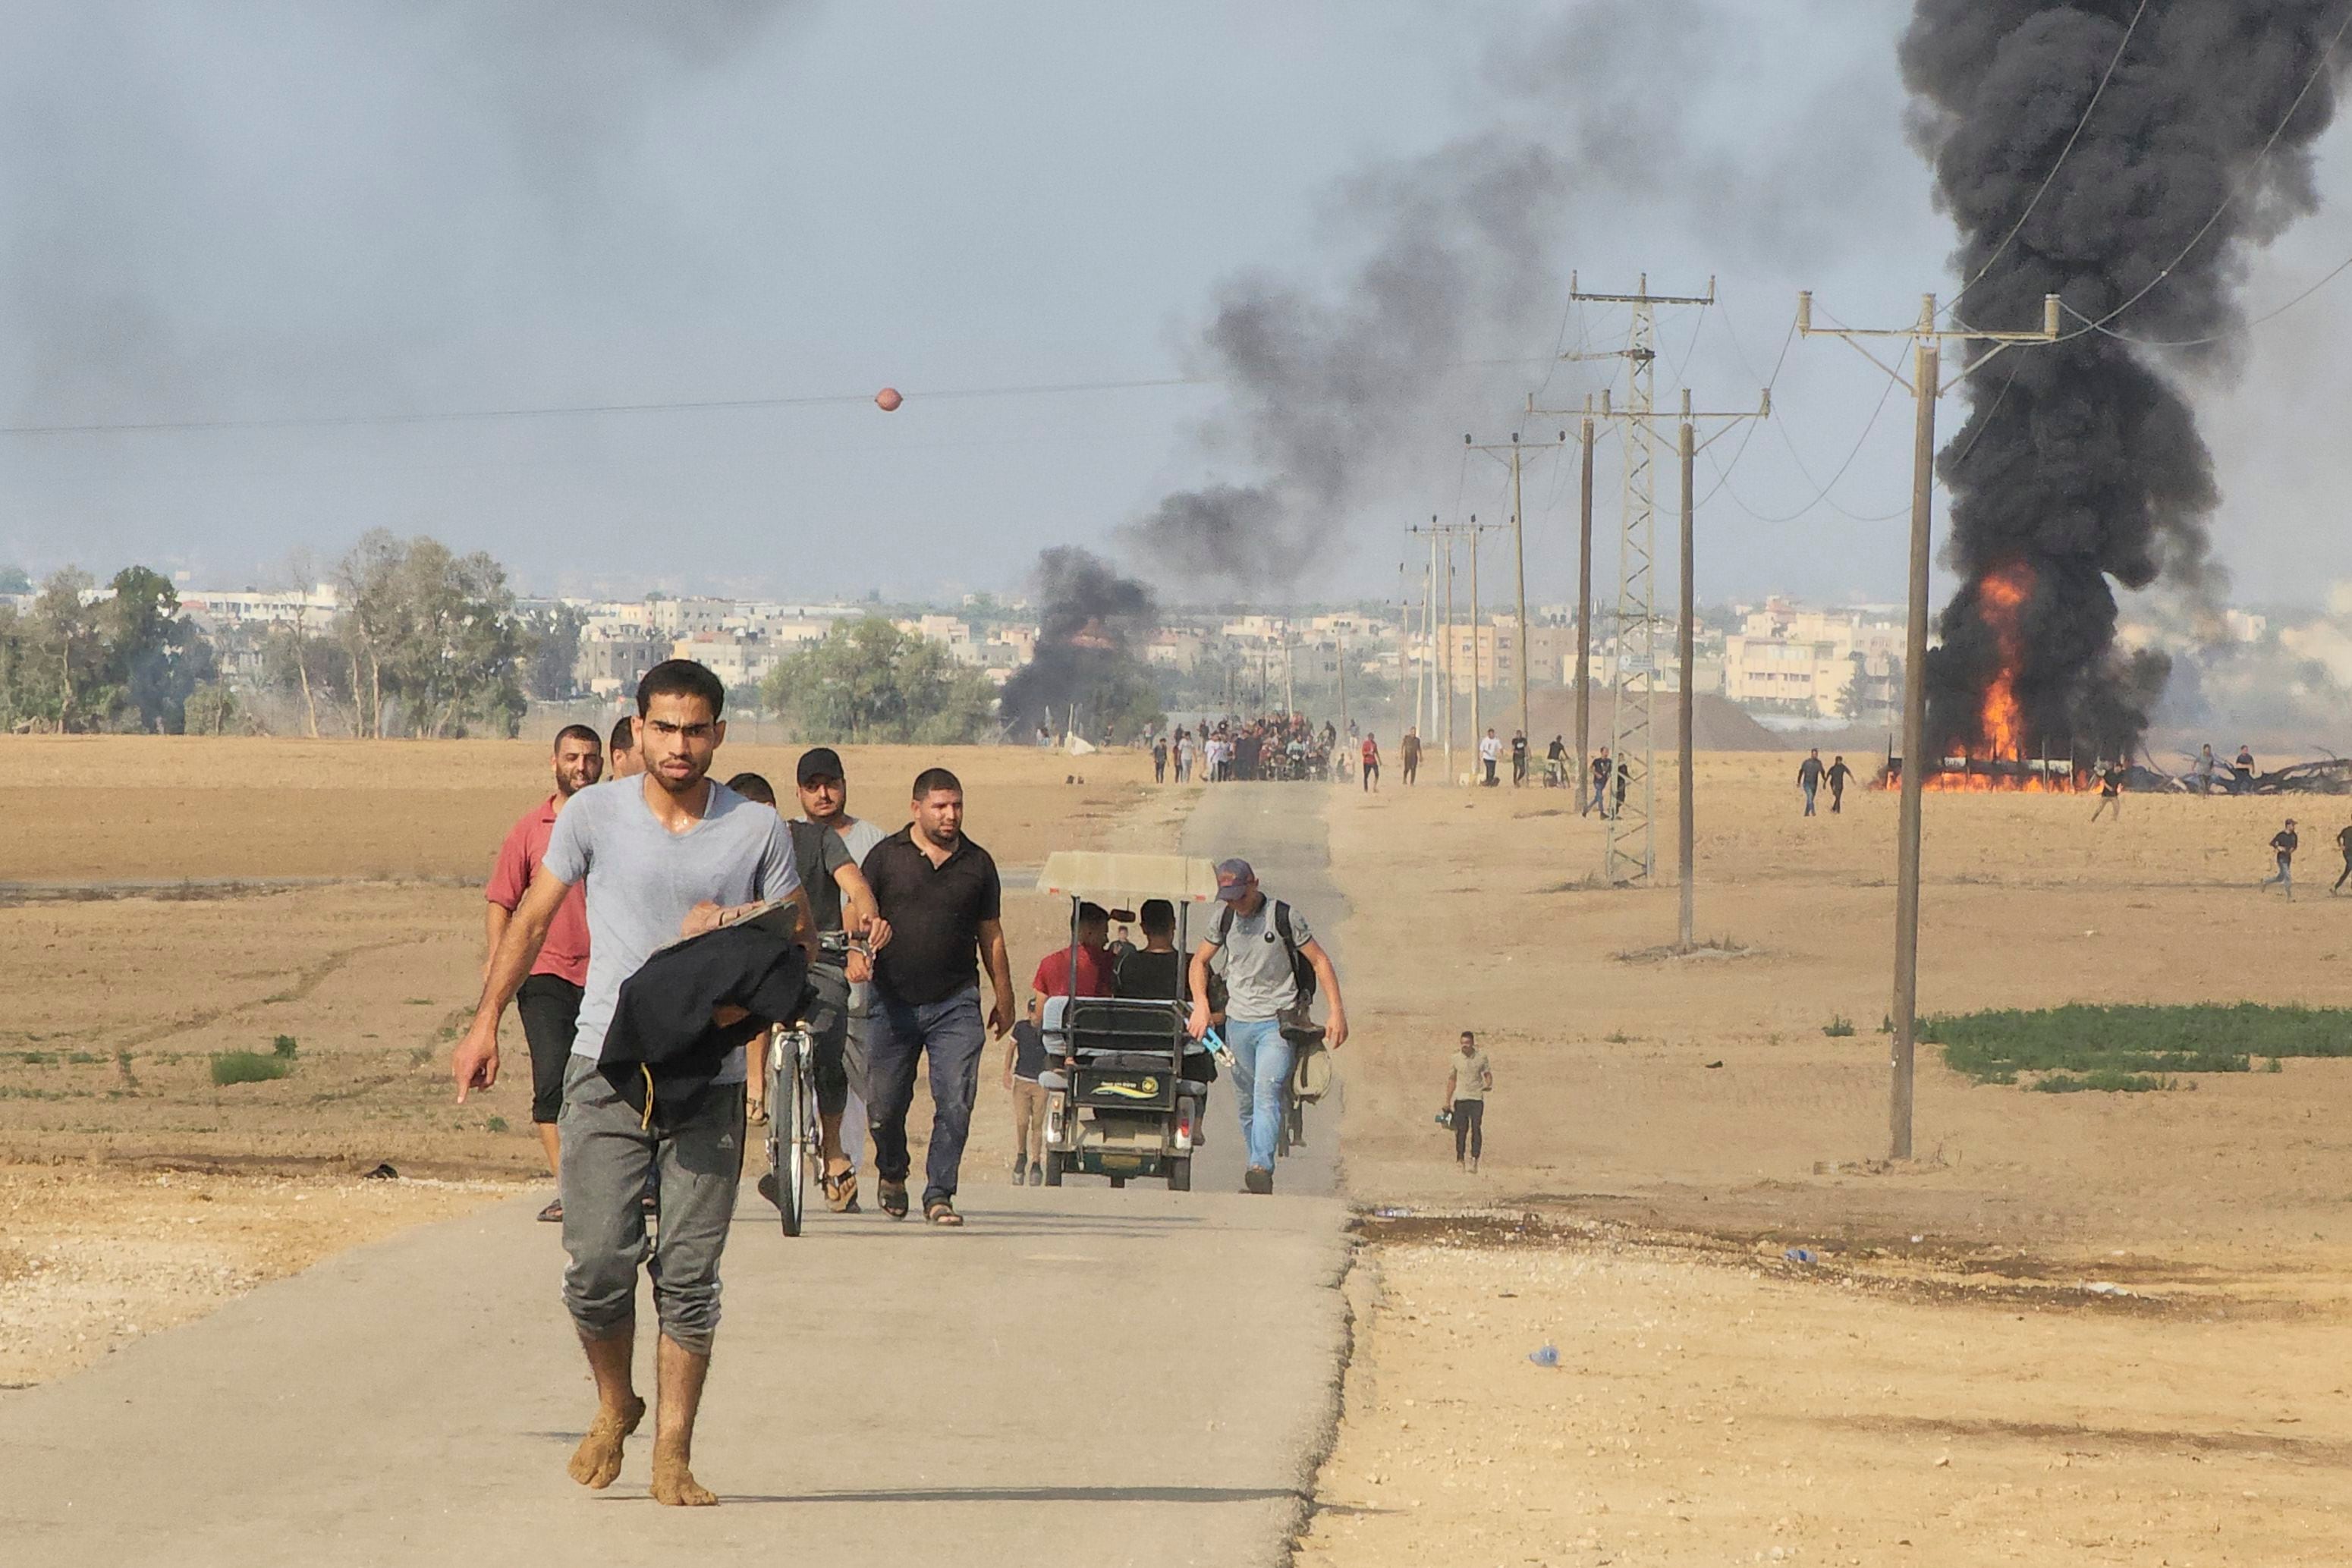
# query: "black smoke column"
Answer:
x=1091 y=621
x=2081 y=464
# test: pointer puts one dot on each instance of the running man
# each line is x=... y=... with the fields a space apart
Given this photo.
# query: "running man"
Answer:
x=1601 y=783
x=1519 y=759
x=672 y=853
x=1371 y=763
x=2344 y=842
x=549 y=1000
x=1809 y=777
x=2111 y=792
x=1837 y=776
x=1408 y=753
x=1490 y=752
x=2284 y=845
x=1264 y=944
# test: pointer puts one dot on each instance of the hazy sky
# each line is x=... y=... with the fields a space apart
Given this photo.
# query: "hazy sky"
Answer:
x=420 y=207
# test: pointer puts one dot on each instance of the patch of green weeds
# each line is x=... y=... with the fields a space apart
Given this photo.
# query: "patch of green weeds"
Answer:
x=1840 y=1027
x=2113 y=1047
x=249 y=1067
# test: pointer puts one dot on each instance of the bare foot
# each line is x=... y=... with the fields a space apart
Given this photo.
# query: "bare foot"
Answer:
x=597 y=1460
x=674 y=1484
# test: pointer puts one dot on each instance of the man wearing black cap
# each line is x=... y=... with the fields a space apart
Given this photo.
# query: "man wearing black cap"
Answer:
x=824 y=788
x=1265 y=944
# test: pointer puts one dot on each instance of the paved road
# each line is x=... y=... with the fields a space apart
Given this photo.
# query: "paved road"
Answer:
x=1280 y=830
x=1069 y=1379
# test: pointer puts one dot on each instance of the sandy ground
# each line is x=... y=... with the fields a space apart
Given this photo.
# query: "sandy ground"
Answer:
x=2079 y=1328
x=164 y=899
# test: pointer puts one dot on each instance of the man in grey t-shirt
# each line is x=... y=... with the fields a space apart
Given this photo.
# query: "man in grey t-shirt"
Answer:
x=1261 y=995
x=674 y=854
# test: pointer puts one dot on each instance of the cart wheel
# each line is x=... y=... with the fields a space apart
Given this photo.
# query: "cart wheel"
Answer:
x=1180 y=1174
x=1118 y=1181
x=1053 y=1169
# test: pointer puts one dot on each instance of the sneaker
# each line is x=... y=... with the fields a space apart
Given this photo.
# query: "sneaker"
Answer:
x=1258 y=1179
x=552 y=1213
x=1036 y=1176
x=1474 y=1164
x=1019 y=1176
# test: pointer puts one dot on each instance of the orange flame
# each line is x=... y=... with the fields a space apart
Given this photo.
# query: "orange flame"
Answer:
x=2001 y=595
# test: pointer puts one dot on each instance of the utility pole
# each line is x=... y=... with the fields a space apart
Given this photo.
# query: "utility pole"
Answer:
x=1927 y=342
x=1519 y=553
x=1630 y=852
x=1689 y=446
x=1448 y=533
x=1583 y=600
x=1343 y=681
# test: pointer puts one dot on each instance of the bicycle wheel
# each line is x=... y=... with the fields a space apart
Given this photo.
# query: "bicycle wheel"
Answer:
x=791 y=1106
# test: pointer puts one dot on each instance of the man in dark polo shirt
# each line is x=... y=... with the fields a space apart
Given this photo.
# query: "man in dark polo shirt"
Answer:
x=939 y=893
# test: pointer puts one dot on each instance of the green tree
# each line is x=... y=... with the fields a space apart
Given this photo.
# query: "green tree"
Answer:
x=433 y=634
x=869 y=681
x=13 y=580
x=155 y=656
x=554 y=637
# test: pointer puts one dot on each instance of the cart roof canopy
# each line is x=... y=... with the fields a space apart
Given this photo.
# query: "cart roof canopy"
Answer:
x=1128 y=880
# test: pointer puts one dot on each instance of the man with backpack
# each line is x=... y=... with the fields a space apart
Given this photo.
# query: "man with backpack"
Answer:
x=1274 y=967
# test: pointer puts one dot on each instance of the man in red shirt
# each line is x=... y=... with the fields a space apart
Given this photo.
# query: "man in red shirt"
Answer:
x=1095 y=962
x=549 y=1001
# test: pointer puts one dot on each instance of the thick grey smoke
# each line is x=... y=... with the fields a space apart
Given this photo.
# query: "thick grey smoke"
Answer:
x=1091 y=627
x=2080 y=467
x=1462 y=256
x=345 y=206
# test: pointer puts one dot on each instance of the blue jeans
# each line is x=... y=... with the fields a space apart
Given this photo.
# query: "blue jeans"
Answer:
x=1261 y=1075
x=898 y=1034
x=1809 y=788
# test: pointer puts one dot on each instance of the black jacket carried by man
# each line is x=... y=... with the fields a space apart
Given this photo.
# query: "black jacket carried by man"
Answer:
x=663 y=1050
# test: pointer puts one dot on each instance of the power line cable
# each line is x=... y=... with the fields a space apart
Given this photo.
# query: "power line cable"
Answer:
x=2080 y=125
x=2326 y=58
x=2336 y=272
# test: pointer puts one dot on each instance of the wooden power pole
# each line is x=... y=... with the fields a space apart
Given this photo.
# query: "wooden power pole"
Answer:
x=1927 y=342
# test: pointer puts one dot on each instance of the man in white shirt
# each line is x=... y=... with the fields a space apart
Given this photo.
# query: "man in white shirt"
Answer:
x=1490 y=751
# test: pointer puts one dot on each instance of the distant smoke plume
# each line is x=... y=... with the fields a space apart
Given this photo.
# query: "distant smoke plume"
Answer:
x=2081 y=465
x=1091 y=621
x=1460 y=256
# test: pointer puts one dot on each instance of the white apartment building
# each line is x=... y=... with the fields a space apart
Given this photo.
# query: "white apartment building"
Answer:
x=212 y=607
x=1795 y=659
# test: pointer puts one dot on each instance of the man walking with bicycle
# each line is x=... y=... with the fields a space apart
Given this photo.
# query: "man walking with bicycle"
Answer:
x=1274 y=967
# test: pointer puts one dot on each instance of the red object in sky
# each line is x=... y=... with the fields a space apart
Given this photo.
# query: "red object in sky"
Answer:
x=887 y=399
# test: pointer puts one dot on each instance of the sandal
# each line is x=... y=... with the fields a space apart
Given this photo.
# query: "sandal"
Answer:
x=840 y=1190
x=892 y=1198
x=759 y=1114
x=942 y=1213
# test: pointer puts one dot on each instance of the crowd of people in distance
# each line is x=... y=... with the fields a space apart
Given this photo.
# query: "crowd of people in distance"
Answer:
x=1279 y=746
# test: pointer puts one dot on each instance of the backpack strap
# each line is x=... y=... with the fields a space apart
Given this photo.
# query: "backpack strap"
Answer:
x=1225 y=925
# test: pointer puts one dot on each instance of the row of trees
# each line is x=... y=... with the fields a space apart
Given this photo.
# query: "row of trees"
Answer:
x=868 y=681
x=75 y=660
x=429 y=642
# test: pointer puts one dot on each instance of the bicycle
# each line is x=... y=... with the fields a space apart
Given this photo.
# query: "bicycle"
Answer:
x=791 y=1120
x=794 y=1141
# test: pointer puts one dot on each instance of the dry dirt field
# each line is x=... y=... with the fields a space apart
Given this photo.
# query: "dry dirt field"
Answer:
x=2081 y=1328
x=163 y=899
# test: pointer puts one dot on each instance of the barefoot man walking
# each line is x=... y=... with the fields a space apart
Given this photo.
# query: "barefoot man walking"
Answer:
x=673 y=854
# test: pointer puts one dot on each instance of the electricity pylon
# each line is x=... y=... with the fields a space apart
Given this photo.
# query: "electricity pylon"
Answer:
x=1629 y=852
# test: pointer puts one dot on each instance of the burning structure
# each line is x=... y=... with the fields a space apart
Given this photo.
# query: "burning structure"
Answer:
x=2123 y=156
x=1085 y=676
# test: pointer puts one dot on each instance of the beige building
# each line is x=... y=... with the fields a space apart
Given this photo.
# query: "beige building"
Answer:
x=1792 y=660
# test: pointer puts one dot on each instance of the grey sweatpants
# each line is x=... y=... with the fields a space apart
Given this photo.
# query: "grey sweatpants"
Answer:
x=607 y=1155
